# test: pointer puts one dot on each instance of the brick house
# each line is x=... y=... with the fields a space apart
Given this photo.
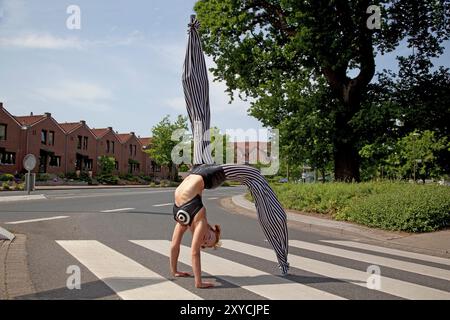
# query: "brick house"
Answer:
x=133 y=159
x=63 y=148
x=11 y=148
x=108 y=144
x=251 y=152
x=44 y=138
x=81 y=148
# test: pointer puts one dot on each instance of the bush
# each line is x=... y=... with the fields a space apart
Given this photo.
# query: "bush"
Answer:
x=174 y=184
x=413 y=208
x=107 y=179
x=386 y=205
x=6 y=177
x=5 y=186
x=164 y=183
x=71 y=175
x=42 y=177
x=19 y=186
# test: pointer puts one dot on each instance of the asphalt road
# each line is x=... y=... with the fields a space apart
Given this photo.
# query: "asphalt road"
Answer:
x=119 y=240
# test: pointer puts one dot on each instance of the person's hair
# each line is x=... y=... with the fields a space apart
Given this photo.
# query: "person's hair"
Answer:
x=217 y=230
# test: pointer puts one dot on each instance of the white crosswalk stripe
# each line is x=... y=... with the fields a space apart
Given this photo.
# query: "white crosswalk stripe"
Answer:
x=388 y=285
x=375 y=260
x=396 y=252
x=256 y=281
x=129 y=279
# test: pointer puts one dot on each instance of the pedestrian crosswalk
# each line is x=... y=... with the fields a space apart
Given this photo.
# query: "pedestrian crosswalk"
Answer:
x=236 y=265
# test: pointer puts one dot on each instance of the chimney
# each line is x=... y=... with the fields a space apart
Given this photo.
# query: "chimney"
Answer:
x=110 y=128
x=48 y=114
x=1 y=105
x=132 y=133
x=83 y=122
x=31 y=113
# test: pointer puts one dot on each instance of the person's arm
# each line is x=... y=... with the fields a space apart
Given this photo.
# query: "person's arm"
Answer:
x=197 y=240
x=178 y=232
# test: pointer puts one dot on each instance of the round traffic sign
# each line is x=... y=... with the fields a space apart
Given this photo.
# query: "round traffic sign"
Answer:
x=29 y=162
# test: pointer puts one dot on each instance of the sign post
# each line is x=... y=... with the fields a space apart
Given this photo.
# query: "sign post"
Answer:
x=29 y=163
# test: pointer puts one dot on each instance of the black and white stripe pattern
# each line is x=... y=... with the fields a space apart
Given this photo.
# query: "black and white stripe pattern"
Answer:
x=196 y=93
x=271 y=214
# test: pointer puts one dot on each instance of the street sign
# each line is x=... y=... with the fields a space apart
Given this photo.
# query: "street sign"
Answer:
x=29 y=162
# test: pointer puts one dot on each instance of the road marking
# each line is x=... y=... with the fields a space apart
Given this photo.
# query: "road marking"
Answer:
x=37 y=220
x=22 y=198
x=256 y=281
x=129 y=279
x=401 y=253
x=376 y=260
x=117 y=210
x=388 y=285
x=163 y=204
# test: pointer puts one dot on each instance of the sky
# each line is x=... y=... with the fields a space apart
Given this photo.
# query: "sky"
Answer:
x=122 y=68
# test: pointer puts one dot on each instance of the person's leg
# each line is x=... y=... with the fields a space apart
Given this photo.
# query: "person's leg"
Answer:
x=196 y=92
x=271 y=214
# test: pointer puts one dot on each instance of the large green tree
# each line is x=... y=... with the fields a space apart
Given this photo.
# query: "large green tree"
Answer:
x=162 y=144
x=264 y=48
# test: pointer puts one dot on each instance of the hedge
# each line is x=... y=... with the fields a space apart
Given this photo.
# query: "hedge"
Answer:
x=389 y=206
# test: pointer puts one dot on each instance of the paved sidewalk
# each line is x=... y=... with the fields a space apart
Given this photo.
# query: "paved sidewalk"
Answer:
x=15 y=279
x=437 y=243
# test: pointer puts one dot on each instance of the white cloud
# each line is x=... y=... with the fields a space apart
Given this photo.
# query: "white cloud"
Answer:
x=80 y=94
x=40 y=41
x=49 y=41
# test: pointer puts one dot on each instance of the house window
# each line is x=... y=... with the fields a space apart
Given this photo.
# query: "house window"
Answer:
x=55 y=161
x=2 y=132
x=131 y=150
x=134 y=150
x=88 y=164
x=51 y=138
x=117 y=165
x=8 y=158
x=80 y=140
x=107 y=146
x=44 y=136
x=112 y=145
x=85 y=143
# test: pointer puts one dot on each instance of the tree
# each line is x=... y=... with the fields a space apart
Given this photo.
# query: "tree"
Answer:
x=415 y=156
x=107 y=165
x=264 y=48
x=162 y=145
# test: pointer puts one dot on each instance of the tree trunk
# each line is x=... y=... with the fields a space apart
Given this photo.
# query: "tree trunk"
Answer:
x=346 y=156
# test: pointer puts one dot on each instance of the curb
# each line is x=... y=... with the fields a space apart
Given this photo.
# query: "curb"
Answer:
x=47 y=188
x=22 y=198
x=6 y=235
x=319 y=224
